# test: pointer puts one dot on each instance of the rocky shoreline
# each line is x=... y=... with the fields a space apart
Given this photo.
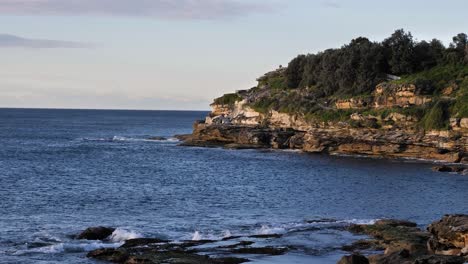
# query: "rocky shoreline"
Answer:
x=384 y=124
x=389 y=144
x=388 y=241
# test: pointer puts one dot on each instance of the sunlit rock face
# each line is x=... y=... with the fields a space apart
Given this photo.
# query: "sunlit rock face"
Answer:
x=397 y=135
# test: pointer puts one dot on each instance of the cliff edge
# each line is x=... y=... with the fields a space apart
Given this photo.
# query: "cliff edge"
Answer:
x=420 y=114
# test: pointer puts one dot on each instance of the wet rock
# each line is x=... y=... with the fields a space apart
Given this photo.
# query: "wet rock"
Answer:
x=456 y=169
x=266 y=236
x=353 y=259
x=139 y=242
x=157 y=138
x=261 y=250
x=153 y=256
x=96 y=233
x=230 y=238
x=109 y=254
x=240 y=244
x=449 y=235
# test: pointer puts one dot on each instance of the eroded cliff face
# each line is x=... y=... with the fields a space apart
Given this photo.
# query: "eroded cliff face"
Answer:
x=240 y=126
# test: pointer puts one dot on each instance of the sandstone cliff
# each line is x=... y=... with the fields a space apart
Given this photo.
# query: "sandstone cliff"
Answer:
x=377 y=125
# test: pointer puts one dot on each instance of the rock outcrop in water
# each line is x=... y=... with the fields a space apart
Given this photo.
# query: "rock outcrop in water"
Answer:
x=159 y=251
x=350 y=101
x=381 y=125
x=390 y=242
x=96 y=233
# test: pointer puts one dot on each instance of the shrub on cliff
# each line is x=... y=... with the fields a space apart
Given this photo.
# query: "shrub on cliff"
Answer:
x=227 y=99
x=437 y=117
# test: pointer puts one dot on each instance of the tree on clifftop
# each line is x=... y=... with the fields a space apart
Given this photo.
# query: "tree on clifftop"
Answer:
x=399 y=50
x=294 y=71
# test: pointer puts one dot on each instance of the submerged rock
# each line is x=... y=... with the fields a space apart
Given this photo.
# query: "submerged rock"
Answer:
x=159 y=251
x=96 y=233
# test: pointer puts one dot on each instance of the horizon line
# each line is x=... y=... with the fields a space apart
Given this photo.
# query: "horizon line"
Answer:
x=102 y=109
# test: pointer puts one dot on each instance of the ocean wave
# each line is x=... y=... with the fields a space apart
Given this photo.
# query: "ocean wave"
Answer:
x=309 y=225
x=120 y=235
x=197 y=236
x=69 y=248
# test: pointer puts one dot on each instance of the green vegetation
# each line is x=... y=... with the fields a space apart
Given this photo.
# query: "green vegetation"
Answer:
x=228 y=99
x=329 y=115
x=312 y=83
x=460 y=107
x=436 y=117
x=358 y=67
x=434 y=80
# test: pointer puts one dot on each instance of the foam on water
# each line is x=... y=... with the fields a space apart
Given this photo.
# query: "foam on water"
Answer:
x=120 y=235
x=196 y=236
x=69 y=247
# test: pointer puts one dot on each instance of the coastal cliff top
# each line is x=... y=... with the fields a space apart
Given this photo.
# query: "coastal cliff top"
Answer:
x=423 y=82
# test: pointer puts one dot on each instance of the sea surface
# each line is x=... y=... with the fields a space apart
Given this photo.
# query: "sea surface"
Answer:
x=62 y=171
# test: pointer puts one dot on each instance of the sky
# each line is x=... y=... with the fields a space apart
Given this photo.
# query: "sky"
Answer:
x=180 y=54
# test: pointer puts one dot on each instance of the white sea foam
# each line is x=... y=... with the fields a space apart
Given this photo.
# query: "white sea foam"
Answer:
x=361 y=221
x=227 y=233
x=120 y=235
x=196 y=236
x=69 y=247
x=268 y=230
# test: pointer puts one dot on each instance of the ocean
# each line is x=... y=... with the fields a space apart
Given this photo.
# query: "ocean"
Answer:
x=62 y=171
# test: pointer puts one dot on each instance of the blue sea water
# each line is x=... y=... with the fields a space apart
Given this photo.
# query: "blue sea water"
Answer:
x=64 y=170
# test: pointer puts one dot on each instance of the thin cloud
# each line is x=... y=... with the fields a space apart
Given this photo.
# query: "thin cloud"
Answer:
x=12 y=41
x=331 y=4
x=167 y=9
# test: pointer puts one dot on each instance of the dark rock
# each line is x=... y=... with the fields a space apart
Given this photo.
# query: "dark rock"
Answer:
x=363 y=245
x=96 y=233
x=240 y=244
x=139 y=242
x=397 y=257
x=154 y=256
x=456 y=169
x=353 y=259
x=261 y=250
x=230 y=238
x=109 y=254
x=438 y=259
x=157 y=138
x=266 y=236
x=230 y=260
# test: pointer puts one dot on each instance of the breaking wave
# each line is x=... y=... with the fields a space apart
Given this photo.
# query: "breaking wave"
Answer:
x=69 y=247
x=120 y=235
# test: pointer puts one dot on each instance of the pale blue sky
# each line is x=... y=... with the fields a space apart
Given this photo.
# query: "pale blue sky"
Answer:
x=180 y=54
